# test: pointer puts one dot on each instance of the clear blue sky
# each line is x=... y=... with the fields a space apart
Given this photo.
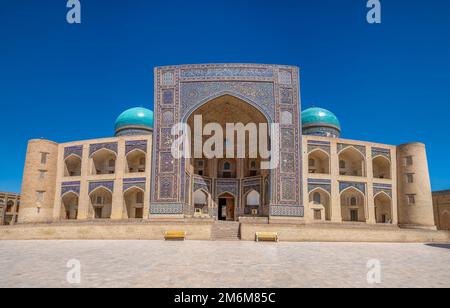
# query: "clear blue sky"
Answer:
x=387 y=83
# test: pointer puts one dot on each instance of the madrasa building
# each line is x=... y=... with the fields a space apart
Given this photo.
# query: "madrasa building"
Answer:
x=321 y=178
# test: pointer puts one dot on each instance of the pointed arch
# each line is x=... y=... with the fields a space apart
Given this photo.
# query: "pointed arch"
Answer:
x=136 y=161
x=133 y=198
x=101 y=203
x=103 y=161
x=220 y=94
x=100 y=187
x=355 y=162
x=383 y=193
x=319 y=161
x=354 y=188
x=134 y=187
x=353 y=205
x=321 y=209
x=69 y=205
x=252 y=198
x=381 y=167
x=320 y=189
x=383 y=208
x=72 y=165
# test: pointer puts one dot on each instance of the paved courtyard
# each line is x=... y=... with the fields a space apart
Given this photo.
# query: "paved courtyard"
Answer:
x=221 y=264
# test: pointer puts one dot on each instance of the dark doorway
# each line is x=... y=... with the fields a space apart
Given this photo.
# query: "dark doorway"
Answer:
x=222 y=209
x=354 y=215
x=98 y=213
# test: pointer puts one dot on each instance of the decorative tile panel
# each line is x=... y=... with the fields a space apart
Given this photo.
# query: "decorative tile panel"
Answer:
x=252 y=184
x=166 y=188
x=112 y=146
x=109 y=185
x=287 y=139
x=319 y=183
x=227 y=186
x=286 y=117
x=287 y=163
x=288 y=189
x=167 y=118
x=75 y=150
x=135 y=145
x=378 y=188
x=166 y=209
x=381 y=152
x=195 y=94
x=360 y=148
x=202 y=183
x=285 y=77
x=168 y=97
x=167 y=162
x=226 y=72
x=168 y=79
x=135 y=182
x=359 y=186
x=286 y=96
x=70 y=187
x=166 y=138
x=269 y=88
x=287 y=211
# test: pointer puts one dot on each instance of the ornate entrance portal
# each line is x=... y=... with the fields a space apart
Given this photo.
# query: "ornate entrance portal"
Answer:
x=232 y=187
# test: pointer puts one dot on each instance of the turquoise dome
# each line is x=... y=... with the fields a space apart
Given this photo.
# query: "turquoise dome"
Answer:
x=138 y=116
x=318 y=117
x=135 y=121
x=320 y=122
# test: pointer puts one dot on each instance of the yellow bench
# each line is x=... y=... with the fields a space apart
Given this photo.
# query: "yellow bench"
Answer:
x=175 y=235
x=266 y=237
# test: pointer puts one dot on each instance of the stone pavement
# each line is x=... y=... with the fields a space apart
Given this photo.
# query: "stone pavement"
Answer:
x=221 y=264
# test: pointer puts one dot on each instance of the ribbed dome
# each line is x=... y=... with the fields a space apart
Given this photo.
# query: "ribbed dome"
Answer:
x=134 y=119
x=321 y=122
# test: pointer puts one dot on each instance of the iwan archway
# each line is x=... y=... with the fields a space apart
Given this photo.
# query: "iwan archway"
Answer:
x=228 y=93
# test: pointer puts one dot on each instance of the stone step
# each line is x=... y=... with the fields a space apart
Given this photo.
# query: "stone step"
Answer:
x=225 y=231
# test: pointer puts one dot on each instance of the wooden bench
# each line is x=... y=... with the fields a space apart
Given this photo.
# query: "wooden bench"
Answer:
x=266 y=237
x=175 y=235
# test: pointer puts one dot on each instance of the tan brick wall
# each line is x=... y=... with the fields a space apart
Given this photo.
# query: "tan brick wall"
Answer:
x=345 y=233
x=33 y=210
x=117 y=231
x=441 y=203
x=335 y=178
x=51 y=208
x=421 y=212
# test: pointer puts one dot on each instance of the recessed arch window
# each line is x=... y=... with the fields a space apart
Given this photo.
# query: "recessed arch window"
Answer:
x=317 y=198
x=226 y=166
x=312 y=162
x=353 y=201
x=342 y=164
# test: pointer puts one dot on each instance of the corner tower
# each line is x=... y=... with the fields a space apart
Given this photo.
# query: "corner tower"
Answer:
x=415 y=202
x=39 y=182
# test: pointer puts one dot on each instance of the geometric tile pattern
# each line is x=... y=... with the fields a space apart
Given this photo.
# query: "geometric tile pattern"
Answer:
x=75 y=150
x=359 y=186
x=180 y=90
x=381 y=152
x=112 y=146
x=109 y=185
x=135 y=182
x=70 y=187
x=136 y=145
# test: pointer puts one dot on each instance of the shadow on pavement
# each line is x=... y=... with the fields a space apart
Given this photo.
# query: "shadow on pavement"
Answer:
x=443 y=246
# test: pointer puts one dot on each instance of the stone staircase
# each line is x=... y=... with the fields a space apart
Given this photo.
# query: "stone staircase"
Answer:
x=226 y=231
